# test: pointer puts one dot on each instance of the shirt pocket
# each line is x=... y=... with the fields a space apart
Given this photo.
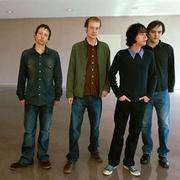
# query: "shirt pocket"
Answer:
x=49 y=69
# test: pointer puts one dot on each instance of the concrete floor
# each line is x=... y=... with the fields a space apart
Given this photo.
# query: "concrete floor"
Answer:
x=11 y=133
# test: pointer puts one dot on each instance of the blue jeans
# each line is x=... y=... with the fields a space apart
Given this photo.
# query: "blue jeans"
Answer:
x=30 y=123
x=161 y=102
x=94 y=109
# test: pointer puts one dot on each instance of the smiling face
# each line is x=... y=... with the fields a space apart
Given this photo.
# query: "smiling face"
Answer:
x=42 y=36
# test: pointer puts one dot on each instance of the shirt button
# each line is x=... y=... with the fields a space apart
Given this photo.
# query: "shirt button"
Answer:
x=40 y=71
x=39 y=94
x=39 y=79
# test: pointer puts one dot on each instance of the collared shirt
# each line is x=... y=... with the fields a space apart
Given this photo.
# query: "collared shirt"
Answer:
x=133 y=54
x=164 y=58
x=137 y=78
x=91 y=86
x=40 y=77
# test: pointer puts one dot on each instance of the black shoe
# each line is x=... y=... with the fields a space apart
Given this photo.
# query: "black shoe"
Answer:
x=163 y=162
x=145 y=159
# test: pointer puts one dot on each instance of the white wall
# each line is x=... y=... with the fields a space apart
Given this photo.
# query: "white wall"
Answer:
x=17 y=35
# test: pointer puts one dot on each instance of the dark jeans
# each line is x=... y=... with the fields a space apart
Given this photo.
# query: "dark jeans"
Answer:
x=123 y=110
x=30 y=123
x=94 y=109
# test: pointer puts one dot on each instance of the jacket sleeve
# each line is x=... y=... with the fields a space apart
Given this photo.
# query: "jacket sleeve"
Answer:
x=112 y=76
x=171 y=71
x=152 y=77
x=22 y=76
x=58 y=78
x=107 y=84
x=70 y=75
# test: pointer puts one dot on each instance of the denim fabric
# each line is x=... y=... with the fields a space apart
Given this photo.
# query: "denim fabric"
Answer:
x=161 y=102
x=40 y=77
x=30 y=123
x=94 y=109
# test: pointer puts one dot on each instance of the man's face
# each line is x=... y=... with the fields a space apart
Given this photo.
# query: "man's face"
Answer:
x=141 y=39
x=155 y=34
x=41 y=38
x=93 y=29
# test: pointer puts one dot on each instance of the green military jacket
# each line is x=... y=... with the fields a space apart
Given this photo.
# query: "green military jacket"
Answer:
x=77 y=68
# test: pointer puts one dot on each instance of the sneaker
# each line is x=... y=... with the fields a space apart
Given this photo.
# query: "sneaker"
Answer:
x=163 y=162
x=109 y=169
x=132 y=170
x=68 y=168
x=145 y=159
x=45 y=164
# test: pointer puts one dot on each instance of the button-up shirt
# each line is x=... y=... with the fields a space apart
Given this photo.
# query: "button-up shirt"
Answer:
x=40 y=77
x=164 y=58
x=91 y=86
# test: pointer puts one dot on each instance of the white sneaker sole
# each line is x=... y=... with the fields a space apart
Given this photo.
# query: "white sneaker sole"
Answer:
x=133 y=173
x=108 y=173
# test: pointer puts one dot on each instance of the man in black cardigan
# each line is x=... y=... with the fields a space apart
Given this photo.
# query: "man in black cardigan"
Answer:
x=136 y=68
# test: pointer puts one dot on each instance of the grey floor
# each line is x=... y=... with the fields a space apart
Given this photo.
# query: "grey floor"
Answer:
x=11 y=133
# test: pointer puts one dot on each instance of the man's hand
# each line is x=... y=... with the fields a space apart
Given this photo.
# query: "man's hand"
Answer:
x=124 y=98
x=56 y=103
x=22 y=102
x=70 y=100
x=145 y=99
x=104 y=93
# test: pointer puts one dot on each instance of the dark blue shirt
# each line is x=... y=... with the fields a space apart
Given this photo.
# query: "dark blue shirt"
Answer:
x=40 y=77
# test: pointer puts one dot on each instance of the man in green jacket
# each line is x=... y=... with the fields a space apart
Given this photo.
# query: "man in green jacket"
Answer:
x=87 y=82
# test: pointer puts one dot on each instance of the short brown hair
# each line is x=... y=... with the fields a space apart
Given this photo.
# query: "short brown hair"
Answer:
x=155 y=23
x=45 y=26
x=92 y=18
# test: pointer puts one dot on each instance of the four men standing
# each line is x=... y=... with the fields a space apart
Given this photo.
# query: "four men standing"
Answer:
x=140 y=67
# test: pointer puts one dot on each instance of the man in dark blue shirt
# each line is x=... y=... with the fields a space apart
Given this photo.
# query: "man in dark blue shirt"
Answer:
x=136 y=68
x=39 y=88
x=164 y=58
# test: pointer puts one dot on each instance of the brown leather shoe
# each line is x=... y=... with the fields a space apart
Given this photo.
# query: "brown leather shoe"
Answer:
x=16 y=165
x=96 y=156
x=45 y=164
x=68 y=168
